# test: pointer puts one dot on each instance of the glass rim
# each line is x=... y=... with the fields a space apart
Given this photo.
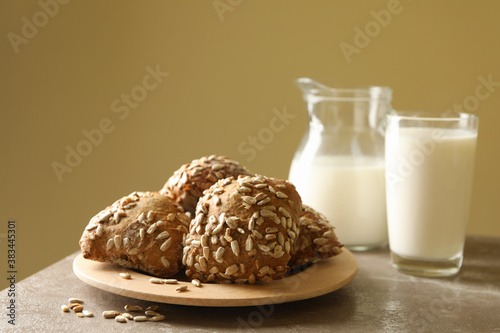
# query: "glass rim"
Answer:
x=422 y=115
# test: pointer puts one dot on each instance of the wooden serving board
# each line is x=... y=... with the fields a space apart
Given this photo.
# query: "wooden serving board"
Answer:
x=319 y=279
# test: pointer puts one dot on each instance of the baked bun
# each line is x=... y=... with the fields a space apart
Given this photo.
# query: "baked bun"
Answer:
x=188 y=183
x=243 y=231
x=317 y=239
x=143 y=230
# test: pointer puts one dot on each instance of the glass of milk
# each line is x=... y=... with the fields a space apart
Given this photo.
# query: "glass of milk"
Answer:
x=429 y=171
x=338 y=168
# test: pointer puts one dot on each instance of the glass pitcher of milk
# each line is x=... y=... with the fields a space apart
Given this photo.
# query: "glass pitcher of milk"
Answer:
x=339 y=167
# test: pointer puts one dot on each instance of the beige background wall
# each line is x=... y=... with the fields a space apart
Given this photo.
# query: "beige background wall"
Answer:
x=230 y=64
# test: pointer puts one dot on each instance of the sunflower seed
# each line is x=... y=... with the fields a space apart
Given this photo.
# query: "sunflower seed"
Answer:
x=232 y=269
x=264 y=201
x=151 y=313
x=257 y=234
x=219 y=253
x=151 y=229
x=133 y=308
x=204 y=264
x=127 y=316
x=198 y=267
x=125 y=275
x=91 y=227
x=218 y=229
x=281 y=195
x=231 y=223
x=249 y=200
x=281 y=239
x=110 y=244
x=213 y=239
x=263 y=247
x=142 y=217
x=80 y=315
x=78 y=308
x=156 y=281
x=163 y=235
x=158 y=317
x=196 y=283
x=267 y=213
x=142 y=233
x=167 y=281
x=150 y=216
x=87 y=313
x=235 y=247
x=166 y=244
x=249 y=244
x=195 y=243
x=100 y=230
x=133 y=251
x=65 y=308
x=271 y=230
x=165 y=262
x=278 y=254
x=324 y=248
x=320 y=241
x=181 y=288
x=251 y=279
x=154 y=307
x=118 y=241
x=206 y=252
x=287 y=247
x=204 y=240
x=328 y=234
x=75 y=300
x=217 y=166
x=121 y=319
x=140 y=318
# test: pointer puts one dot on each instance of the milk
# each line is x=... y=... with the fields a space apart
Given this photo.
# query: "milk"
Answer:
x=429 y=182
x=349 y=192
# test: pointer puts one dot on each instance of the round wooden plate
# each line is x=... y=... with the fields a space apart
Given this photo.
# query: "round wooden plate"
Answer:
x=319 y=279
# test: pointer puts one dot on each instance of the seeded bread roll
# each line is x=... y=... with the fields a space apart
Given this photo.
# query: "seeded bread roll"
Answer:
x=188 y=183
x=317 y=239
x=144 y=230
x=243 y=231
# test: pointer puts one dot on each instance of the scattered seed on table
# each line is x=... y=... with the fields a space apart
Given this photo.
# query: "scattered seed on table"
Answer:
x=65 y=308
x=170 y=281
x=140 y=318
x=78 y=308
x=125 y=275
x=152 y=308
x=87 y=313
x=110 y=314
x=181 y=288
x=128 y=316
x=158 y=317
x=120 y=319
x=133 y=308
x=196 y=283
x=75 y=300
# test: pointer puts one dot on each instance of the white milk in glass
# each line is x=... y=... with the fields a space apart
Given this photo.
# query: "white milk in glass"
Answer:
x=429 y=183
x=350 y=192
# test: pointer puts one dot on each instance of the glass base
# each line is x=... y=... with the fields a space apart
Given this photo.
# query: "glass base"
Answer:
x=427 y=268
x=365 y=247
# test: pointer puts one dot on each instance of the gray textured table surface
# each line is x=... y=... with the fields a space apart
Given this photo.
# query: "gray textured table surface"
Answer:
x=379 y=299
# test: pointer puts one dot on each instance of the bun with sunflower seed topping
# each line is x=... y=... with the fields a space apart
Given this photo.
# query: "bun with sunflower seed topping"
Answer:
x=243 y=231
x=144 y=230
x=317 y=239
x=187 y=184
